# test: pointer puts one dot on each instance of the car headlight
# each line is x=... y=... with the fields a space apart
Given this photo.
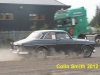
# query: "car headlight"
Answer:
x=17 y=43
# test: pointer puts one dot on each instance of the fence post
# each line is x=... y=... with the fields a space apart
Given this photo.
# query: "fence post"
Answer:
x=13 y=35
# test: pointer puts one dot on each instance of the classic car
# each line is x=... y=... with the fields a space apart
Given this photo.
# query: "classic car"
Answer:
x=42 y=42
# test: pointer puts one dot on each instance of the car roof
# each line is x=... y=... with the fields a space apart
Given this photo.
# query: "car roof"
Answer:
x=50 y=31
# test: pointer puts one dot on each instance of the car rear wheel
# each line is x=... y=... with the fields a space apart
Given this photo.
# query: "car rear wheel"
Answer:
x=86 y=51
x=41 y=53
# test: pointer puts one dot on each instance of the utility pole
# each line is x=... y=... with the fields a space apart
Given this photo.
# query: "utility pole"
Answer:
x=97 y=13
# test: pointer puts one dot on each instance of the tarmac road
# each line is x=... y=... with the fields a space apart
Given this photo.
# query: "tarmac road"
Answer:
x=51 y=65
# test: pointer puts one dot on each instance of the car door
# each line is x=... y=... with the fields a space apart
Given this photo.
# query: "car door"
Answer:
x=49 y=41
x=65 y=42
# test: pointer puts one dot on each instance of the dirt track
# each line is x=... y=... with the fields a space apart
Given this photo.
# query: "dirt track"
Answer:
x=48 y=66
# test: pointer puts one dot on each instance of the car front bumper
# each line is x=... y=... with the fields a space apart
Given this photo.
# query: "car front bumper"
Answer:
x=94 y=51
x=18 y=50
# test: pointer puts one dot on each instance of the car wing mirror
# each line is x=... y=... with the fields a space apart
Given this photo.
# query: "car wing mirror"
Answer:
x=73 y=21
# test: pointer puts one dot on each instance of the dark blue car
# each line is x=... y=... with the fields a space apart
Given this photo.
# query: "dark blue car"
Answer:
x=42 y=42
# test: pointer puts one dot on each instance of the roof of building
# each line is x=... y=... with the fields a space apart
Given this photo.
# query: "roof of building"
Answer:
x=36 y=2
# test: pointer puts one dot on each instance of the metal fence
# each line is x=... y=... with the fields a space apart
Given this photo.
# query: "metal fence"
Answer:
x=9 y=36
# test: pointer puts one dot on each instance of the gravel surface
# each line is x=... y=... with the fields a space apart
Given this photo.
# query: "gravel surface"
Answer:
x=11 y=64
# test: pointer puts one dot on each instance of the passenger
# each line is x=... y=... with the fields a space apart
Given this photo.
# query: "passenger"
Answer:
x=48 y=36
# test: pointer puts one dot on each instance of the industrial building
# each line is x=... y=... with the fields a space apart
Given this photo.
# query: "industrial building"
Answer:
x=20 y=15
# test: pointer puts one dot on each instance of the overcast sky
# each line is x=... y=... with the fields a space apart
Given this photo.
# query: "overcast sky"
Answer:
x=90 y=5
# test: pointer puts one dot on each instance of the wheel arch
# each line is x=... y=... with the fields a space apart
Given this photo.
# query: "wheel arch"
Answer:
x=41 y=46
x=85 y=46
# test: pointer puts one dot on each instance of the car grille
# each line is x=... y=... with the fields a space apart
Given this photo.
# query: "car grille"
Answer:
x=16 y=47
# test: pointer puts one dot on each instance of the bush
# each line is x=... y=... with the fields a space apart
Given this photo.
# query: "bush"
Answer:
x=33 y=27
x=44 y=27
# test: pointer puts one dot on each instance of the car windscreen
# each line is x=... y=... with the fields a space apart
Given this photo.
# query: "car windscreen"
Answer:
x=63 y=23
x=35 y=35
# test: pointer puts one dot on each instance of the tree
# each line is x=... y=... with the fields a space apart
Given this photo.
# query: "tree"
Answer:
x=93 y=22
x=98 y=15
x=96 y=18
x=90 y=32
x=98 y=28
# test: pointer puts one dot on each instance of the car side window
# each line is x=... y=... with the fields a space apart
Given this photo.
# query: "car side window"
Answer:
x=62 y=35
x=50 y=35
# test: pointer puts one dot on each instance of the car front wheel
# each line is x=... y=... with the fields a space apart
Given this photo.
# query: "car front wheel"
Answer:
x=41 y=53
x=86 y=51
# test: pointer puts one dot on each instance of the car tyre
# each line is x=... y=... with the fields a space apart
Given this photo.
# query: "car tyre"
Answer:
x=86 y=51
x=41 y=53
